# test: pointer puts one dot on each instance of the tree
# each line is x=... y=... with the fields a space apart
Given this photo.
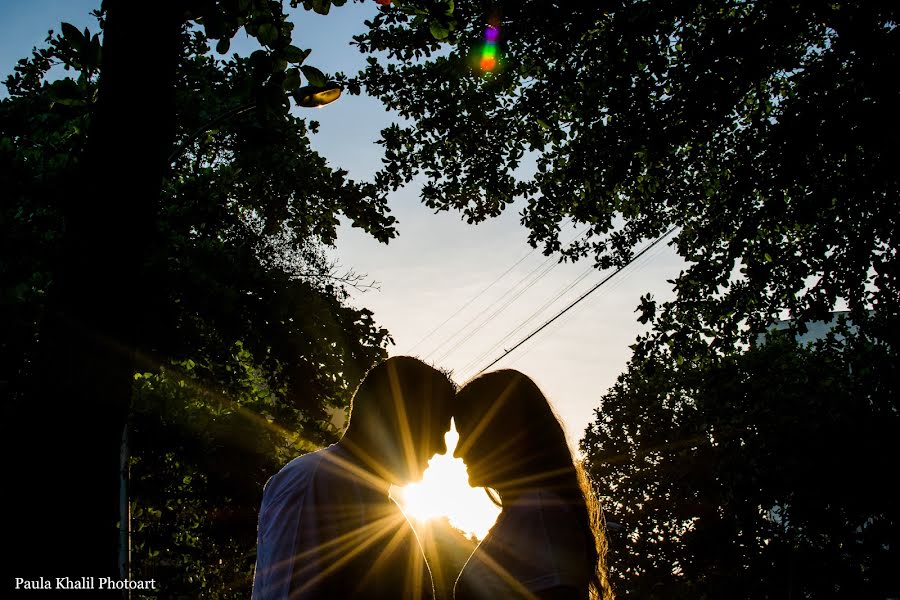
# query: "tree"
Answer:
x=758 y=476
x=762 y=132
x=119 y=238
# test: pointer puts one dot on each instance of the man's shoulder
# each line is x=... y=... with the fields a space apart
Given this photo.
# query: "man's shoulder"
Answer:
x=328 y=471
x=295 y=476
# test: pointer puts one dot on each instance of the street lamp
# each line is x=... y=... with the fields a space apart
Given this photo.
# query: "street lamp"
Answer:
x=313 y=96
x=310 y=96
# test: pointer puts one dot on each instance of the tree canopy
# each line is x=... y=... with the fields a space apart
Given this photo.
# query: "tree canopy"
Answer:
x=245 y=212
x=187 y=272
x=762 y=131
x=760 y=476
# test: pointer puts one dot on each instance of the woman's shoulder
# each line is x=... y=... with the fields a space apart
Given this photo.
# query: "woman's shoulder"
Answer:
x=546 y=520
x=537 y=544
x=541 y=504
x=537 y=520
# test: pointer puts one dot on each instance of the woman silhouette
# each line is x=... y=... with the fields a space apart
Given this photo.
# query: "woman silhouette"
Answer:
x=548 y=541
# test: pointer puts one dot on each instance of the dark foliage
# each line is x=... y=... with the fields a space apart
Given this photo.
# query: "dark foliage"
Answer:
x=763 y=475
x=763 y=131
x=247 y=346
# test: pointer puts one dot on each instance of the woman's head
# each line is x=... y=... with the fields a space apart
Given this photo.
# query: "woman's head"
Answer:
x=513 y=442
x=509 y=437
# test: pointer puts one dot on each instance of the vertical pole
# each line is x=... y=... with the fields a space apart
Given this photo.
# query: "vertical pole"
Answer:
x=124 y=513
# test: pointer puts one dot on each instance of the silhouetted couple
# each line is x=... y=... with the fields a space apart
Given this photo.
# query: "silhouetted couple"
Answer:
x=328 y=528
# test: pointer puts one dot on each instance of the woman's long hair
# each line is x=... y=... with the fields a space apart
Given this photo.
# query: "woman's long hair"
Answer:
x=520 y=445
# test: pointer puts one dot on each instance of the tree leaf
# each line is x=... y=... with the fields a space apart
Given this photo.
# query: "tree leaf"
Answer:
x=321 y=6
x=223 y=45
x=314 y=76
x=267 y=33
x=295 y=55
x=438 y=30
x=292 y=80
x=214 y=25
x=95 y=53
x=73 y=36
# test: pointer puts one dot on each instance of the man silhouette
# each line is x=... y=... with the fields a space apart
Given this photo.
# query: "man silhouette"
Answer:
x=327 y=526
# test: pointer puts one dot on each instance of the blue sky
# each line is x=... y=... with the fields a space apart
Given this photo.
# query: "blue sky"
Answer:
x=438 y=263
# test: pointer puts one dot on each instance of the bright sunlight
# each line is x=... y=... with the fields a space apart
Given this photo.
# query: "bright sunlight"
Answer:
x=445 y=491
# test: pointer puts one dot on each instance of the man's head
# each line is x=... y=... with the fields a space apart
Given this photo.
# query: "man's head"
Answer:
x=399 y=416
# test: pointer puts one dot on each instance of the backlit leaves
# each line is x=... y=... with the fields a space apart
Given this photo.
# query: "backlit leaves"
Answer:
x=731 y=122
x=314 y=76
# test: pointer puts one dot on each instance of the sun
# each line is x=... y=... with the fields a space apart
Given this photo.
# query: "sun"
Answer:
x=444 y=491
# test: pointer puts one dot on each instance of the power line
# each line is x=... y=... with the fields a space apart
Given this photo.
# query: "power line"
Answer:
x=534 y=275
x=471 y=300
x=474 y=298
x=636 y=266
x=534 y=315
x=580 y=298
x=516 y=294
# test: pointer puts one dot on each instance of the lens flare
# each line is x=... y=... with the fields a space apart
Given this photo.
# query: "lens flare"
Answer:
x=489 y=49
x=444 y=491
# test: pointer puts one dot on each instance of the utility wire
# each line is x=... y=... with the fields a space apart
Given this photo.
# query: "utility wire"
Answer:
x=192 y=136
x=546 y=266
x=471 y=300
x=474 y=298
x=580 y=298
x=516 y=294
x=638 y=265
x=534 y=315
